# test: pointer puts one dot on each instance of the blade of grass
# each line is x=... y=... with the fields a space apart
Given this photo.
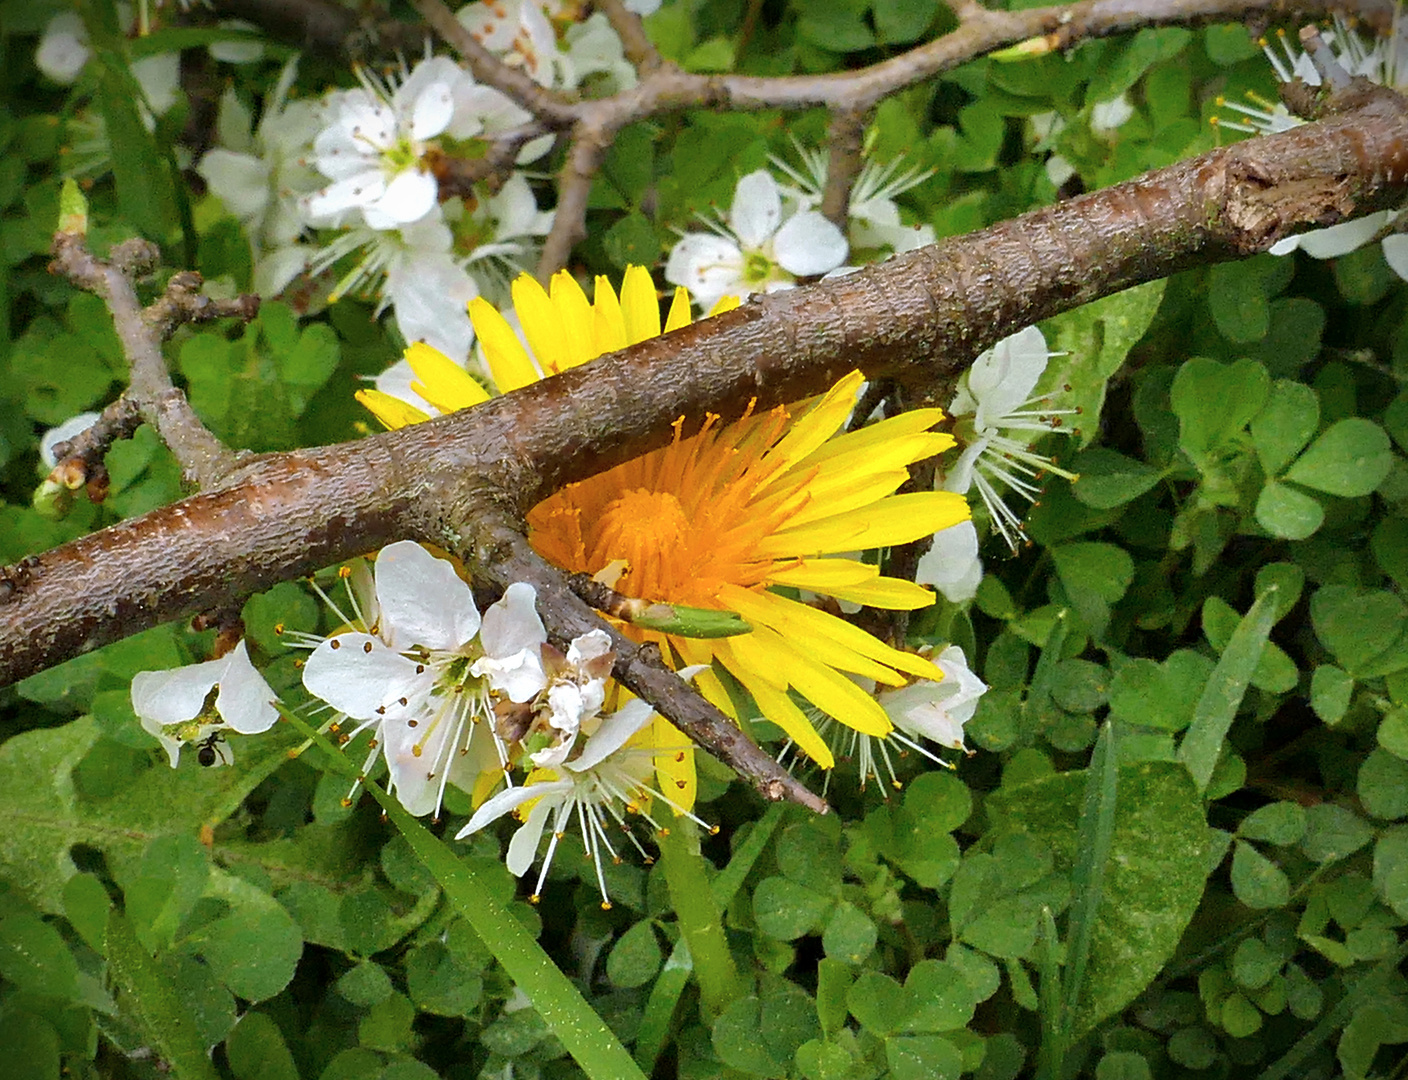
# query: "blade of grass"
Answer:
x=674 y=976
x=1225 y=688
x=1053 y=1049
x=561 y=1005
x=163 y=1015
x=701 y=921
x=1093 y=839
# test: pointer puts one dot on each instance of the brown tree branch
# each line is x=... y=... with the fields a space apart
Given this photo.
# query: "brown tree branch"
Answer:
x=916 y=318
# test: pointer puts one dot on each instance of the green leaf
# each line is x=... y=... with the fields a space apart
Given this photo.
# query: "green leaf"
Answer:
x=439 y=982
x=1391 y=869
x=1256 y=880
x=738 y=1041
x=1109 y=479
x=786 y=910
x=1279 y=823
x=1163 y=695
x=140 y=172
x=31 y=1046
x=922 y=1057
x=1213 y=401
x=1096 y=338
x=1286 y=423
x=1357 y=625
x=1155 y=875
x=941 y=996
x=1383 y=785
x=256 y=1050
x=635 y=958
x=34 y=957
x=1238 y=301
x=1333 y=833
x=633 y=240
x=1221 y=697
x=899 y=22
x=170 y=1027
x=1330 y=693
x=880 y=1004
x=850 y=934
x=168 y=881
x=1351 y=458
x=254 y=949
x=1393 y=731
x=47 y=816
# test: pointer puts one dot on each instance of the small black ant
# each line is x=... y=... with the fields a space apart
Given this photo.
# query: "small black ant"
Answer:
x=206 y=752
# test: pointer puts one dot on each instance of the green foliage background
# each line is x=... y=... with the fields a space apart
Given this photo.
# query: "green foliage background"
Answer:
x=1180 y=851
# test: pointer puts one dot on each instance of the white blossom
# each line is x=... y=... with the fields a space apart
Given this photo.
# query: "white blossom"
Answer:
x=519 y=33
x=934 y=710
x=993 y=402
x=610 y=779
x=1107 y=117
x=200 y=703
x=262 y=175
x=873 y=216
x=405 y=675
x=63 y=48
x=374 y=145
x=759 y=250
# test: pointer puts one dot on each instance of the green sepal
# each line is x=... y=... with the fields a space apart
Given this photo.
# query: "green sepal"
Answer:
x=691 y=622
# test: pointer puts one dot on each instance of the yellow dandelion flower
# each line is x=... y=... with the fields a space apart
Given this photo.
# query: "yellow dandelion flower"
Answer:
x=724 y=516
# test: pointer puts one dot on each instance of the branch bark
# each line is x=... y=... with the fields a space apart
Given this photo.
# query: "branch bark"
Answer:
x=915 y=318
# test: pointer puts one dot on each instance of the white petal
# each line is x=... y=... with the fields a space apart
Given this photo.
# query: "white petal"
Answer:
x=434 y=107
x=358 y=674
x=1108 y=116
x=708 y=266
x=1343 y=238
x=1002 y=378
x=74 y=425
x=512 y=623
x=1396 y=254
x=63 y=50
x=423 y=601
x=960 y=478
x=361 y=189
x=176 y=695
x=951 y=564
x=244 y=698
x=809 y=244
x=588 y=646
x=241 y=181
x=523 y=848
x=519 y=676
x=756 y=210
x=511 y=799
x=409 y=197
x=613 y=734
x=279 y=267
x=1285 y=246
x=160 y=79
x=429 y=295
x=414 y=778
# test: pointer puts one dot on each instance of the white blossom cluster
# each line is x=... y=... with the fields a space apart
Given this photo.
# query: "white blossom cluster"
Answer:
x=444 y=696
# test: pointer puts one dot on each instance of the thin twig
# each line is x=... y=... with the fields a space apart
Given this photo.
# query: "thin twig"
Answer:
x=636 y=44
x=204 y=459
x=843 y=142
x=574 y=188
x=501 y=555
